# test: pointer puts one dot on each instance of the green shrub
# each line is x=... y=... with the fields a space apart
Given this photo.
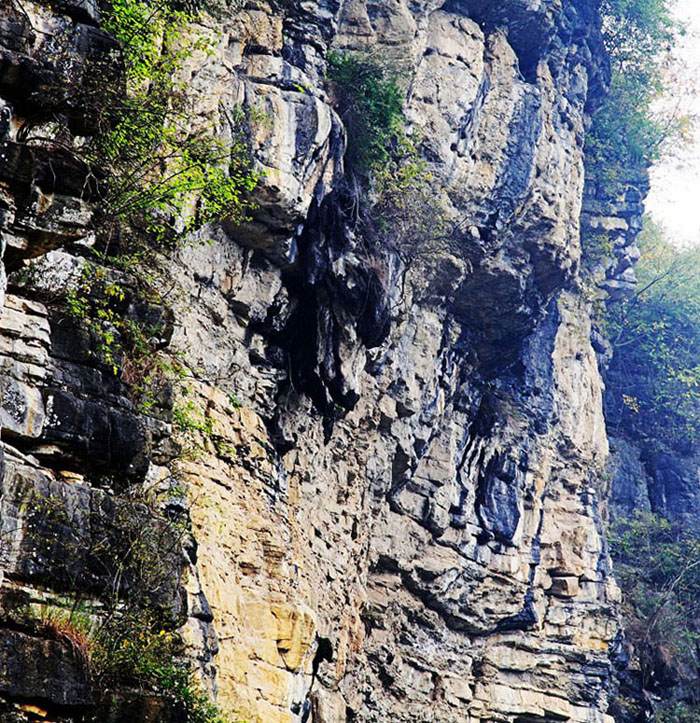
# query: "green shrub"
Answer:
x=677 y=713
x=156 y=163
x=121 y=627
x=153 y=167
x=152 y=175
x=369 y=101
x=393 y=191
x=407 y=209
x=137 y=652
x=130 y=650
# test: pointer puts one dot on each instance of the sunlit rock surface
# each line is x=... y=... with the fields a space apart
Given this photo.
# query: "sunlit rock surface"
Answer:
x=397 y=513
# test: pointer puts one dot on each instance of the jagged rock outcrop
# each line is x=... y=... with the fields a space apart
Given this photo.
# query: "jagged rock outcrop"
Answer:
x=611 y=222
x=397 y=503
x=654 y=478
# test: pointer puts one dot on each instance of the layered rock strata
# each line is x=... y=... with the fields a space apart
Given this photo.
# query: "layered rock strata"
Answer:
x=396 y=501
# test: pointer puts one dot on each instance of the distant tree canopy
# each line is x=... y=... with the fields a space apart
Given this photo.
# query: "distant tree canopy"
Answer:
x=654 y=378
x=639 y=35
x=637 y=32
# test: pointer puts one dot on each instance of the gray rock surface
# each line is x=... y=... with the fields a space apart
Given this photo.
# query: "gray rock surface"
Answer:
x=397 y=508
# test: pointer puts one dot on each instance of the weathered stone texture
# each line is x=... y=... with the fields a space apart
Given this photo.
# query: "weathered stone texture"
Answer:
x=442 y=523
x=396 y=510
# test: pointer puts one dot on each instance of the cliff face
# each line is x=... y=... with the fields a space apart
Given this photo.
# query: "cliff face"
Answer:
x=396 y=501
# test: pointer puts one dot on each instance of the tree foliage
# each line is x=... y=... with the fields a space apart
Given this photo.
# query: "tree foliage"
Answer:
x=397 y=202
x=654 y=379
x=658 y=566
x=627 y=132
x=154 y=170
x=370 y=103
x=157 y=161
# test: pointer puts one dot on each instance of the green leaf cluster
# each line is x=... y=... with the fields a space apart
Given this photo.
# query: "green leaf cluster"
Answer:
x=90 y=299
x=627 y=132
x=395 y=197
x=654 y=384
x=122 y=311
x=369 y=101
x=161 y=170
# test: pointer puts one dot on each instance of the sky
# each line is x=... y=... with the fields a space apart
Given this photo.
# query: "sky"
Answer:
x=674 y=200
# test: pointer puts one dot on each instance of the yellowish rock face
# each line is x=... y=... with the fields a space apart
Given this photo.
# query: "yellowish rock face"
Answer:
x=246 y=566
x=394 y=483
x=440 y=537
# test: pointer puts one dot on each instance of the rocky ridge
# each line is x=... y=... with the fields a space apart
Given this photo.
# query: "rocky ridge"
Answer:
x=397 y=510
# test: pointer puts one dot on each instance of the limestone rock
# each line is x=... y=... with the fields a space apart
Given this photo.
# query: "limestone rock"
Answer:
x=394 y=486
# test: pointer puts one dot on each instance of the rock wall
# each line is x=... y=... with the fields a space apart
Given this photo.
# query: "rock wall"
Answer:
x=396 y=504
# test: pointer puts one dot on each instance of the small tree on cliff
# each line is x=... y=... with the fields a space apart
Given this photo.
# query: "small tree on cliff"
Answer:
x=154 y=172
x=119 y=571
x=396 y=201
